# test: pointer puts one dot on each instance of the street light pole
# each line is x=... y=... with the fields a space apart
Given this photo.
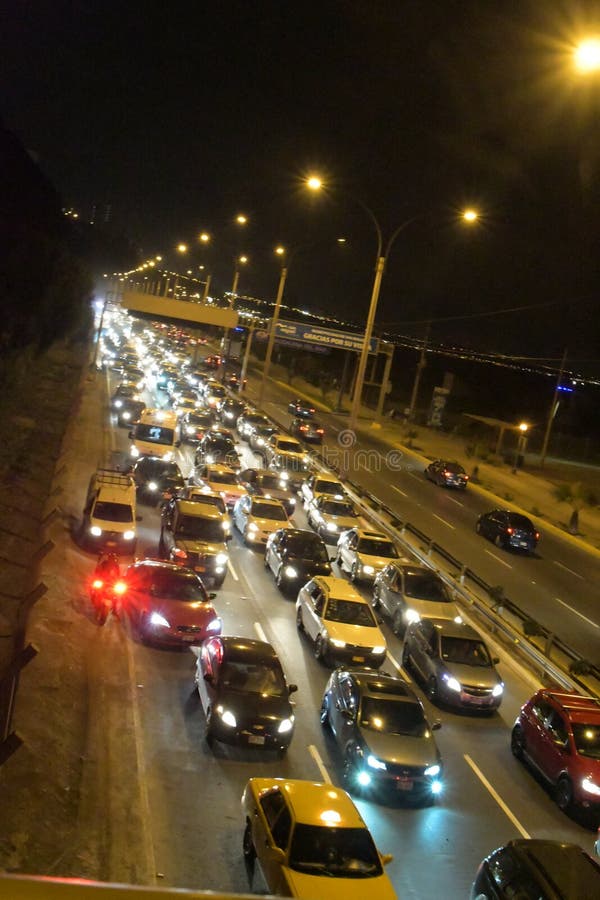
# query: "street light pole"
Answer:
x=552 y=411
x=273 y=329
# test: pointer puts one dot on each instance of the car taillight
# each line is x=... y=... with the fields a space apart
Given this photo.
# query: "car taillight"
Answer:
x=445 y=473
x=180 y=553
x=97 y=583
x=119 y=587
x=537 y=535
x=320 y=431
x=509 y=530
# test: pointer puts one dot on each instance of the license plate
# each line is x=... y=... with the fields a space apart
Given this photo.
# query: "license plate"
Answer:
x=256 y=739
x=523 y=544
x=111 y=543
x=199 y=569
x=358 y=659
x=188 y=637
x=404 y=784
x=479 y=700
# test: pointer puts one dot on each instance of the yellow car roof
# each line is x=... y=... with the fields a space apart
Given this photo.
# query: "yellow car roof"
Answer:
x=315 y=803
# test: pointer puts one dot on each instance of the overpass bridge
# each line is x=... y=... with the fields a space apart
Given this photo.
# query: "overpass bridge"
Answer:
x=187 y=312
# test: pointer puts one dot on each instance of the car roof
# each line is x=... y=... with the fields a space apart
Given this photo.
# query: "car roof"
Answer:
x=269 y=501
x=161 y=564
x=304 y=533
x=450 y=628
x=340 y=588
x=197 y=508
x=334 y=498
x=379 y=684
x=579 y=708
x=310 y=799
x=246 y=649
x=217 y=467
x=558 y=868
x=366 y=533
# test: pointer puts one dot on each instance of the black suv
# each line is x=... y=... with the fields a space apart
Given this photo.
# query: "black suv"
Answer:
x=295 y=556
x=508 y=529
x=192 y=534
x=217 y=447
x=157 y=479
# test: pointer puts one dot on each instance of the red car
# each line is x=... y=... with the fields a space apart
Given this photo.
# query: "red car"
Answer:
x=559 y=734
x=168 y=604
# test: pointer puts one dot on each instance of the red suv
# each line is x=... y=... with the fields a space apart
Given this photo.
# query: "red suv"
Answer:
x=559 y=734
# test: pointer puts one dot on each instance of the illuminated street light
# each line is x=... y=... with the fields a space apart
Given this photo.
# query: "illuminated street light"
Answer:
x=521 y=444
x=182 y=248
x=470 y=215
x=240 y=260
x=204 y=237
x=314 y=183
x=241 y=219
x=587 y=55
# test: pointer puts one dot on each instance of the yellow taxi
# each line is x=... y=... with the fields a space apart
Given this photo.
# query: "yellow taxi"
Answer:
x=311 y=841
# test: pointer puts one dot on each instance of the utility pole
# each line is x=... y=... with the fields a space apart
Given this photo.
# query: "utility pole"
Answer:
x=420 y=366
x=553 y=410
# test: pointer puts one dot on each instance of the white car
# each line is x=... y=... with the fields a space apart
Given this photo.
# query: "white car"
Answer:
x=330 y=515
x=316 y=485
x=258 y=517
x=363 y=553
x=340 y=622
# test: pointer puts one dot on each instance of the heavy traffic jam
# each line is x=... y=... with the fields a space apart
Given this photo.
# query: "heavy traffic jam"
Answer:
x=215 y=473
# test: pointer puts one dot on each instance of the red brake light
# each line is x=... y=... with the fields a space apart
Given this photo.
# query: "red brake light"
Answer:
x=445 y=473
x=320 y=431
x=537 y=535
x=119 y=587
x=509 y=530
x=179 y=553
x=97 y=583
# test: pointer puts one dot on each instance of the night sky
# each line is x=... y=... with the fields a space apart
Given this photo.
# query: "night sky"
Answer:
x=180 y=115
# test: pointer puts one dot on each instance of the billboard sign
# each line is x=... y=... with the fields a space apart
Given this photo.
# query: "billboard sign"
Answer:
x=315 y=336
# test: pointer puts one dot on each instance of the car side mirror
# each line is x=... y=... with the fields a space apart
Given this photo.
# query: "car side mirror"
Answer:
x=130 y=435
x=436 y=725
x=495 y=660
x=228 y=537
x=332 y=559
x=292 y=688
x=276 y=854
x=208 y=678
x=429 y=650
x=212 y=596
x=138 y=518
x=386 y=858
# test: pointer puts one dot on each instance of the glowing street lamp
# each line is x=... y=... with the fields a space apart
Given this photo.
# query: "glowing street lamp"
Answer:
x=182 y=248
x=240 y=260
x=241 y=219
x=204 y=237
x=586 y=55
x=521 y=444
x=470 y=215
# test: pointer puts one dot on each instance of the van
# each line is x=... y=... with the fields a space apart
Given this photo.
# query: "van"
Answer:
x=157 y=433
x=109 y=514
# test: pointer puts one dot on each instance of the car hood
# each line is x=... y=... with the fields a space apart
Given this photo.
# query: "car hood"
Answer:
x=362 y=635
x=433 y=609
x=343 y=522
x=220 y=488
x=202 y=547
x=247 y=706
x=378 y=562
x=302 y=884
x=308 y=565
x=475 y=676
x=400 y=748
x=269 y=524
x=179 y=612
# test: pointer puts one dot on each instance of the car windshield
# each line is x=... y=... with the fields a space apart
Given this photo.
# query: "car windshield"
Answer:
x=288 y=447
x=337 y=508
x=214 y=500
x=425 y=586
x=197 y=528
x=269 y=511
x=393 y=717
x=216 y=391
x=465 y=651
x=522 y=522
x=336 y=852
x=112 y=512
x=154 y=434
x=377 y=547
x=185 y=586
x=199 y=419
x=220 y=445
x=350 y=612
x=454 y=468
x=328 y=487
x=587 y=739
x=254 y=678
x=307 y=548
x=222 y=478
x=271 y=482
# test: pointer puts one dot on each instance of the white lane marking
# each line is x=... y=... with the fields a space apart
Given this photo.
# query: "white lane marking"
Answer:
x=577 y=613
x=142 y=772
x=454 y=500
x=232 y=570
x=398 y=667
x=412 y=475
x=334 y=428
x=394 y=488
x=435 y=516
x=260 y=632
x=320 y=764
x=567 y=569
x=508 y=566
x=497 y=797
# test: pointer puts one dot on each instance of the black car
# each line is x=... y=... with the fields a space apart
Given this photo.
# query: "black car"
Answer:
x=194 y=425
x=265 y=483
x=244 y=694
x=537 y=868
x=126 y=390
x=508 y=529
x=382 y=731
x=259 y=434
x=247 y=421
x=447 y=474
x=295 y=556
x=217 y=447
x=229 y=411
x=128 y=411
x=157 y=479
x=302 y=408
x=308 y=430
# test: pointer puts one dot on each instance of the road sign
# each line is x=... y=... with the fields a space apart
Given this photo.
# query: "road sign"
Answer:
x=322 y=337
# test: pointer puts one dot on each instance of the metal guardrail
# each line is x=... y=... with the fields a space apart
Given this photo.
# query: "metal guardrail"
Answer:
x=550 y=657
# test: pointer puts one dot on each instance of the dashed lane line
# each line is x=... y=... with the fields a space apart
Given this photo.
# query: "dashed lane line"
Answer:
x=454 y=500
x=439 y=518
x=497 y=558
x=232 y=570
x=394 y=488
x=577 y=613
x=320 y=764
x=260 y=632
x=505 y=809
x=567 y=569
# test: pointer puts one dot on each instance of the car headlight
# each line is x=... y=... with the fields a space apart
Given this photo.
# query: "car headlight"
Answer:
x=452 y=683
x=214 y=626
x=335 y=642
x=95 y=530
x=368 y=570
x=252 y=526
x=436 y=786
x=292 y=500
x=168 y=456
x=190 y=430
x=591 y=787
x=152 y=486
x=260 y=442
x=227 y=717
x=158 y=620
x=458 y=620
x=118 y=404
x=229 y=415
x=411 y=615
x=126 y=415
x=498 y=690
x=376 y=763
x=285 y=725
x=226 y=527
x=210 y=458
x=378 y=650
x=283 y=476
x=433 y=770
x=290 y=572
x=221 y=559
x=133 y=451
x=331 y=526
x=128 y=535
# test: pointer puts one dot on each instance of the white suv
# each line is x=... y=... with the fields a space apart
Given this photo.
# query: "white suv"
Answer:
x=363 y=553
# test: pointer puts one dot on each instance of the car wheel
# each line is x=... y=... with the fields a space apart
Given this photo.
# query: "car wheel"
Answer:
x=320 y=648
x=376 y=602
x=266 y=562
x=564 y=793
x=398 y=623
x=349 y=773
x=517 y=742
x=478 y=527
x=245 y=537
x=354 y=573
x=279 y=579
x=498 y=541
x=209 y=734
x=432 y=689
x=248 y=844
x=324 y=713
x=299 y=622
x=338 y=559
x=405 y=660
